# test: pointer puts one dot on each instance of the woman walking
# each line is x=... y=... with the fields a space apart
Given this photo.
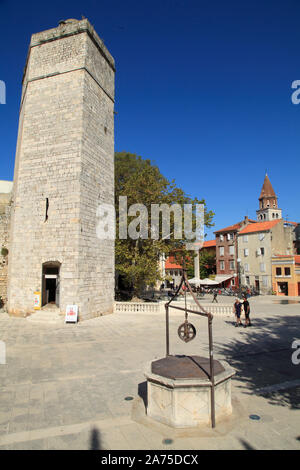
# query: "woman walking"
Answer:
x=237 y=307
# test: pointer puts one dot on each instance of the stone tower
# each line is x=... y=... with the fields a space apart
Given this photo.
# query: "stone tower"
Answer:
x=64 y=169
x=268 y=207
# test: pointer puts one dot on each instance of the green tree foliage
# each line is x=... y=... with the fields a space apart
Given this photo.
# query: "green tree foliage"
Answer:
x=141 y=181
x=207 y=262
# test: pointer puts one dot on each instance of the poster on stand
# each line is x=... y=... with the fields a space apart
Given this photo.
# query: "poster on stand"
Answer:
x=71 y=314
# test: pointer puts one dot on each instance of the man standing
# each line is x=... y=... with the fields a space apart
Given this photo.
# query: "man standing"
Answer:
x=246 y=306
x=215 y=296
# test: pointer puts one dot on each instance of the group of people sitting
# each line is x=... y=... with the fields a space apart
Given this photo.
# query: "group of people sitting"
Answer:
x=237 y=310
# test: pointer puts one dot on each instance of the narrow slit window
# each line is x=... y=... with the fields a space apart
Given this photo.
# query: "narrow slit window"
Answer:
x=47 y=208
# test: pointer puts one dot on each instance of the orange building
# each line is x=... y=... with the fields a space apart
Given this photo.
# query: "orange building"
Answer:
x=286 y=274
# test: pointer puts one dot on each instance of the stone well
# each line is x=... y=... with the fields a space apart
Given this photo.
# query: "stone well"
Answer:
x=179 y=392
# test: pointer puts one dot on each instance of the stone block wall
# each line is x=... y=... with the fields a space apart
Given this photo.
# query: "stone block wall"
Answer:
x=64 y=161
x=4 y=244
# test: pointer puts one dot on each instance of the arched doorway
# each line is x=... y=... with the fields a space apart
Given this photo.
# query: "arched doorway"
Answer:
x=51 y=283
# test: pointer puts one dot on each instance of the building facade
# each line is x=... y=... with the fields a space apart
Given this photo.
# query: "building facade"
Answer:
x=227 y=253
x=286 y=275
x=257 y=244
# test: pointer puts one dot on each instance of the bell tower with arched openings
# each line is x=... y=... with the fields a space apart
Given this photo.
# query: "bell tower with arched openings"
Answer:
x=268 y=206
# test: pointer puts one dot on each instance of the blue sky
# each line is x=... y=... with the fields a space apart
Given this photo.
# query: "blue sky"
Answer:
x=203 y=88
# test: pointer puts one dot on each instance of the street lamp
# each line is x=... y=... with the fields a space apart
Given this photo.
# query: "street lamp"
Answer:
x=239 y=271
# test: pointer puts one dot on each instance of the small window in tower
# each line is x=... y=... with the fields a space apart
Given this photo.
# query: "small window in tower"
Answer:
x=276 y=216
x=47 y=208
x=268 y=203
x=273 y=215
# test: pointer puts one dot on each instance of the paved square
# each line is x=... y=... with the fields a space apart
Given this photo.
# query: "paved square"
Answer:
x=65 y=386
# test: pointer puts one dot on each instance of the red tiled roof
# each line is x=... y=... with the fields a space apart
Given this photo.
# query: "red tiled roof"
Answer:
x=209 y=243
x=235 y=227
x=171 y=263
x=206 y=244
x=231 y=228
x=259 y=226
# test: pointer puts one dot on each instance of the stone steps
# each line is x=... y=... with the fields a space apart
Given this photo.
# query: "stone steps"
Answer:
x=48 y=314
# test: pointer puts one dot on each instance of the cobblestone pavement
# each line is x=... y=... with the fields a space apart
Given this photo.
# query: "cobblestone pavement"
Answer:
x=64 y=386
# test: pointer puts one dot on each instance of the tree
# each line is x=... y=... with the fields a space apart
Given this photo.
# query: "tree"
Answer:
x=207 y=262
x=142 y=183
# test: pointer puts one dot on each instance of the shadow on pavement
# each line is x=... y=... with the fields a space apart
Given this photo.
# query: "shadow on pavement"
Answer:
x=142 y=392
x=262 y=357
x=95 y=440
x=246 y=445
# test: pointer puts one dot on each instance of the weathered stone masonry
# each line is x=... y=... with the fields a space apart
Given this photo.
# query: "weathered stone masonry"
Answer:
x=5 y=206
x=64 y=169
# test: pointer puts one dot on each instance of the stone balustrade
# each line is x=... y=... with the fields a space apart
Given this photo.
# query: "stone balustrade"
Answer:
x=159 y=307
x=134 y=307
x=215 y=309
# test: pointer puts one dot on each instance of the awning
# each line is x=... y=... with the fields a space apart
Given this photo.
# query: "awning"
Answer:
x=195 y=280
x=209 y=282
x=219 y=278
x=203 y=282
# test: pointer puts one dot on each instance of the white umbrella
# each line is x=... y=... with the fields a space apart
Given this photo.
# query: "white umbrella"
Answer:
x=208 y=282
x=196 y=281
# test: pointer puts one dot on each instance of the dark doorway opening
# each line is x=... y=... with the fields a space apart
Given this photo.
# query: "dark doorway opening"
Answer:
x=51 y=283
x=283 y=288
x=51 y=289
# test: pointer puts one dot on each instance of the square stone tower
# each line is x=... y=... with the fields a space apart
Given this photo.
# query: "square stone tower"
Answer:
x=64 y=169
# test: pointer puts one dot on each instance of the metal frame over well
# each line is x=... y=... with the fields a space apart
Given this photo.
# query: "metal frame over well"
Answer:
x=204 y=313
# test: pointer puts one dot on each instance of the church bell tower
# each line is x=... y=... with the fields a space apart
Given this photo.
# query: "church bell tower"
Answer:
x=268 y=206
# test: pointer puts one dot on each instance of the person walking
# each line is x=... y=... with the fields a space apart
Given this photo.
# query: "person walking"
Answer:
x=215 y=297
x=237 y=307
x=246 y=306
